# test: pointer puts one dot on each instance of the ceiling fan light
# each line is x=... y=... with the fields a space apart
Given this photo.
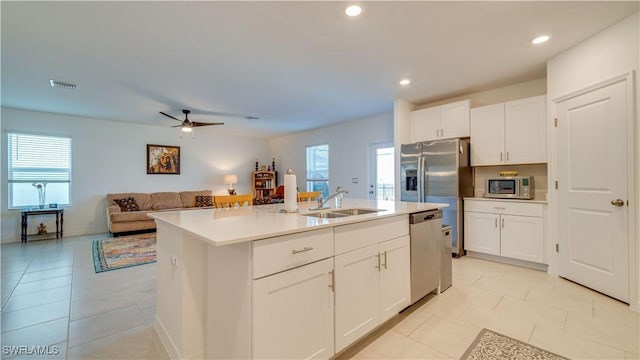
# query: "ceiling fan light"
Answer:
x=187 y=129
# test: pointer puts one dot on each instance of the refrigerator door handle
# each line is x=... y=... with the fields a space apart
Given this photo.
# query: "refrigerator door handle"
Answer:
x=420 y=179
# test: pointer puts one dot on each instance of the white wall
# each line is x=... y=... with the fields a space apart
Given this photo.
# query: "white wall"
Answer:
x=348 y=151
x=610 y=53
x=110 y=157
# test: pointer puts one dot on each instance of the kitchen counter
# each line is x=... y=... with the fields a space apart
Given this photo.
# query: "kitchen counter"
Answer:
x=232 y=280
x=235 y=225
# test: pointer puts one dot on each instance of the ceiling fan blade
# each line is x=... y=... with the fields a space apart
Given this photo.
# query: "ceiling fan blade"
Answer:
x=167 y=115
x=225 y=114
x=196 y=123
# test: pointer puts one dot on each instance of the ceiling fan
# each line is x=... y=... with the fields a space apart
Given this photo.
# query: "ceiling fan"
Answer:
x=187 y=125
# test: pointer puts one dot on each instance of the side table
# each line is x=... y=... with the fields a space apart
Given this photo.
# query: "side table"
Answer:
x=59 y=213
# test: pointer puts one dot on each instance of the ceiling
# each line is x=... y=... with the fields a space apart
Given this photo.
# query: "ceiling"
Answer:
x=295 y=65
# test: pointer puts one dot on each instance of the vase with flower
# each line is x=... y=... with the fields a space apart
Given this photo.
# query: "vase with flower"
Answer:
x=42 y=193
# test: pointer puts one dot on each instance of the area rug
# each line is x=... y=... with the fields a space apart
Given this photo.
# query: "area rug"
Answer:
x=123 y=252
x=490 y=345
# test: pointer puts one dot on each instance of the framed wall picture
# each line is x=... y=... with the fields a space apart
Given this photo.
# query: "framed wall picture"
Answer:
x=163 y=159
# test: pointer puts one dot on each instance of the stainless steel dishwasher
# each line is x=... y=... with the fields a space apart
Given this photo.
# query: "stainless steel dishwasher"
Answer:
x=426 y=249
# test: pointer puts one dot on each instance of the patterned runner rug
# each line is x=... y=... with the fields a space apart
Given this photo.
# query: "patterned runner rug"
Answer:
x=123 y=252
x=490 y=345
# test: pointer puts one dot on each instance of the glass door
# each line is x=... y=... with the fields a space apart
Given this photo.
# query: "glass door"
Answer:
x=381 y=173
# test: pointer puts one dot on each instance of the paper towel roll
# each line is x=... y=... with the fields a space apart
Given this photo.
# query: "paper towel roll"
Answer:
x=290 y=193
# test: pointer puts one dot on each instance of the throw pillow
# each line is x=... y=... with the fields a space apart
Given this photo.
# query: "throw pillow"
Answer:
x=127 y=204
x=204 y=200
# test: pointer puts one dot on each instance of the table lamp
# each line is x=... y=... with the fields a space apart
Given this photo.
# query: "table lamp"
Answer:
x=230 y=180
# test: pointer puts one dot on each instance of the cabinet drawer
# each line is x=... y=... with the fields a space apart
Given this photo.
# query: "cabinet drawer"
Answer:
x=504 y=207
x=285 y=252
x=359 y=235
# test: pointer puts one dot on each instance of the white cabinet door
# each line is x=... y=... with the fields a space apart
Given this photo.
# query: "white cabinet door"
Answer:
x=293 y=314
x=356 y=294
x=487 y=135
x=521 y=237
x=526 y=131
x=482 y=232
x=454 y=120
x=425 y=124
x=395 y=284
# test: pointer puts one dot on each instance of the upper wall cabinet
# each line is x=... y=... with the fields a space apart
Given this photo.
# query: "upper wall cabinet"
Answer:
x=440 y=122
x=509 y=133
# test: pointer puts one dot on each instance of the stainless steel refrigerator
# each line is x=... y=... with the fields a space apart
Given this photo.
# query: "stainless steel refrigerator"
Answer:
x=439 y=171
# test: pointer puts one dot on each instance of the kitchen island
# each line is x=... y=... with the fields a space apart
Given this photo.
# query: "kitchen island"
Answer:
x=253 y=282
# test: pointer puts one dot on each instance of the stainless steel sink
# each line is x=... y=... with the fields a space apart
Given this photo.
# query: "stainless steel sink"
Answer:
x=325 y=215
x=350 y=212
x=338 y=213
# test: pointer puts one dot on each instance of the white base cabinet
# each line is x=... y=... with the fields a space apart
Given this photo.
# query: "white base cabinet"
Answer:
x=372 y=285
x=293 y=313
x=505 y=228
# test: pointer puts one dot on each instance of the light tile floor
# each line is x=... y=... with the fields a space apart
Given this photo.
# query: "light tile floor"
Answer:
x=52 y=297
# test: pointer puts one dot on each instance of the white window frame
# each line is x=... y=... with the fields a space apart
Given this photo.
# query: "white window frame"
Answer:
x=38 y=173
x=310 y=179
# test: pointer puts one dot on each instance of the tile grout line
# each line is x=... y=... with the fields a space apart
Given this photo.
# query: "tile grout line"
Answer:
x=4 y=304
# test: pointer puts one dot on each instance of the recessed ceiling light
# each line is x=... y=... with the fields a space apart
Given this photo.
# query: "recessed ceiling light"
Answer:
x=61 y=84
x=405 y=82
x=540 y=39
x=353 y=10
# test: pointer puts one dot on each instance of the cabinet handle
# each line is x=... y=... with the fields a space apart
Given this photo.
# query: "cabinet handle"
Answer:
x=500 y=155
x=332 y=283
x=495 y=222
x=498 y=208
x=378 y=260
x=385 y=260
x=507 y=156
x=502 y=223
x=306 y=248
x=437 y=132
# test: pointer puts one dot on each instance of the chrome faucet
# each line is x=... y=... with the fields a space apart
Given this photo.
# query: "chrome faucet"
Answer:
x=322 y=203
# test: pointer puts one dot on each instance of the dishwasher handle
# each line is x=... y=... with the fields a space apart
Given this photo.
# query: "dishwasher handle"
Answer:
x=423 y=216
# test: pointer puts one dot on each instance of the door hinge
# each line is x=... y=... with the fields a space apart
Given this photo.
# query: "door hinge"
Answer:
x=555 y=121
x=557 y=247
x=556 y=184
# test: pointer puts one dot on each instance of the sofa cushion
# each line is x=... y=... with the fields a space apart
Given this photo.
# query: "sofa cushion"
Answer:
x=127 y=204
x=204 y=200
x=189 y=197
x=130 y=216
x=143 y=200
x=166 y=200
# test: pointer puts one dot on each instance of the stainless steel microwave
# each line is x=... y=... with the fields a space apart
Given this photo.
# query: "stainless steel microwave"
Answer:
x=513 y=187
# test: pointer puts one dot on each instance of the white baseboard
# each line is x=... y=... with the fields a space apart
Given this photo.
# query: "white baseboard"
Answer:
x=510 y=261
x=169 y=346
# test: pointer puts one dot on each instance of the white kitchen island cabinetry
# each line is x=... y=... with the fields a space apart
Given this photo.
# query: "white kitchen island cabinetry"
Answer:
x=441 y=122
x=509 y=133
x=372 y=281
x=510 y=229
x=254 y=283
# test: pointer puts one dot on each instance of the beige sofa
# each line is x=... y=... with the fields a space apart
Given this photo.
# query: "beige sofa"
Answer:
x=119 y=221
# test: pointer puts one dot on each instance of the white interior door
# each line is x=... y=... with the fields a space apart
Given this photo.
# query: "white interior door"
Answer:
x=593 y=231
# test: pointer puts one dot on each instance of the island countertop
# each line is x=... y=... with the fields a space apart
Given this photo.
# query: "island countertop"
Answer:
x=234 y=225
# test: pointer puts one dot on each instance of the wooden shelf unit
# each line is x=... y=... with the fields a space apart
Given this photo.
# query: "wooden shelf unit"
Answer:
x=264 y=184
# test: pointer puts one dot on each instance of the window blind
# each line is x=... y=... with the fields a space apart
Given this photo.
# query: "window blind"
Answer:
x=38 y=159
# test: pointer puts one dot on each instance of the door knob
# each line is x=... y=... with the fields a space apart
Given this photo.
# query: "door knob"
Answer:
x=617 y=202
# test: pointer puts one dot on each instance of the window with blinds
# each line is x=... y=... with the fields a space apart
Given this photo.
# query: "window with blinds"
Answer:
x=318 y=169
x=39 y=170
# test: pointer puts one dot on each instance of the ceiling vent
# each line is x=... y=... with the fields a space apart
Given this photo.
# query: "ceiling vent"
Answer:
x=63 y=85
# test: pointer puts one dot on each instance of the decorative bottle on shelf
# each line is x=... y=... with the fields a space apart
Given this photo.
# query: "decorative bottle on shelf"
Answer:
x=256 y=164
x=273 y=164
